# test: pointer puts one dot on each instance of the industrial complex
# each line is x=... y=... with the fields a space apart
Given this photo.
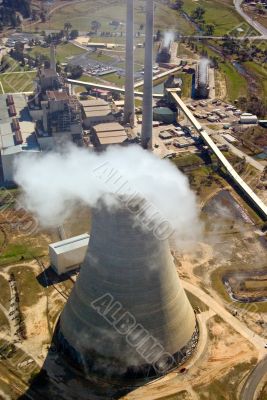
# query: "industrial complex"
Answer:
x=95 y=303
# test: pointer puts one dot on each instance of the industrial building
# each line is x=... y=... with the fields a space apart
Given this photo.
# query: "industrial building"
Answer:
x=202 y=79
x=95 y=111
x=60 y=120
x=133 y=268
x=57 y=113
x=165 y=115
x=68 y=254
x=17 y=134
x=104 y=135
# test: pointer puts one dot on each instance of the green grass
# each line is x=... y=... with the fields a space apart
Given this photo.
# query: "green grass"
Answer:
x=187 y=159
x=27 y=285
x=17 y=82
x=101 y=57
x=225 y=388
x=236 y=84
x=115 y=79
x=64 y=51
x=81 y=15
x=4 y=292
x=195 y=302
x=260 y=73
x=221 y=13
x=25 y=250
x=187 y=84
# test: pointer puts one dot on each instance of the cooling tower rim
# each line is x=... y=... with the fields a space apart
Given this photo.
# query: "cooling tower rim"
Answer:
x=116 y=382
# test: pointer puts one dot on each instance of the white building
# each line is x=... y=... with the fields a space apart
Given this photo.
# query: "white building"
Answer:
x=68 y=254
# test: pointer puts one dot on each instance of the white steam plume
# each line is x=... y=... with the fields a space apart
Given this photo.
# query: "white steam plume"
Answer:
x=168 y=37
x=53 y=182
x=203 y=64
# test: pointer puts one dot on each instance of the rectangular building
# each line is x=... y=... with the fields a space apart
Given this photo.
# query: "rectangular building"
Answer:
x=68 y=254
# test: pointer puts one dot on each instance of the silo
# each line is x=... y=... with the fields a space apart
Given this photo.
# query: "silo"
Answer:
x=128 y=315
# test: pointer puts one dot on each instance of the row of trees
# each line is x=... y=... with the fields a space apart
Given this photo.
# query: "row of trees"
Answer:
x=10 y=11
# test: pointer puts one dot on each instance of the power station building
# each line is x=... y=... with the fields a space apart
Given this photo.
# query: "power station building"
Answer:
x=68 y=254
x=128 y=315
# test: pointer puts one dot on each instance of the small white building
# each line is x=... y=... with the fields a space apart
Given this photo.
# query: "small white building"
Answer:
x=247 y=118
x=68 y=254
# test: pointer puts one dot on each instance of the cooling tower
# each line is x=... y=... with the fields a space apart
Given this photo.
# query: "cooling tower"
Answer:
x=128 y=315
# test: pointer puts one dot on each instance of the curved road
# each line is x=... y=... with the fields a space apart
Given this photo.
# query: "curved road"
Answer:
x=259 y=372
x=250 y=387
x=256 y=25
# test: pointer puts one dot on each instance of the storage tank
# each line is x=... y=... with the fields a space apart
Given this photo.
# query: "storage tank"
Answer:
x=128 y=315
x=248 y=119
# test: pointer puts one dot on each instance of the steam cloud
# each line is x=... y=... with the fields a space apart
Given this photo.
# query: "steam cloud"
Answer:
x=168 y=38
x=204 y=62
x=53 y=182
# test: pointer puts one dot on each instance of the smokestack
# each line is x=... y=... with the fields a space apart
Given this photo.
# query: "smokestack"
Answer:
x=129 y=111
x=147 y=125
x=53 y=58
x=128 y=310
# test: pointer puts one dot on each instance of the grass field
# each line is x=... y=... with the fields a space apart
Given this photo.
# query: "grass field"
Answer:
x=26 y=283
x=5 y=292
x=81 y=15
x=225 y=388
x=17 y=82
x=220 y=13
x=259 y=72
x=22 y=250
x=63 y=51
x=236 y=84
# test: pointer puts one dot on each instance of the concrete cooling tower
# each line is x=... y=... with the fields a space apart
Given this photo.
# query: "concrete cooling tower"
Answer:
x=128 y=315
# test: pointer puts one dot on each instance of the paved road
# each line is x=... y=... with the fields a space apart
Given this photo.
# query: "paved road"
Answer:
x=256 y=25
x=250 y=387
x=251 y=336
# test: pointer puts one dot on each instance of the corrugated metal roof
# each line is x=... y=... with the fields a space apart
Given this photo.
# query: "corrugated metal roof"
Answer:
x=70 y=244
x=109 y=127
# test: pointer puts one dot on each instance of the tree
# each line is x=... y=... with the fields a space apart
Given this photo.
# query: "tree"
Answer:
x=95 y=25
x=75 y=71
x=210 y=28
x=74 y=34
x=158 y=35
x=67 y=27
x=177 y=5
x=198 y=13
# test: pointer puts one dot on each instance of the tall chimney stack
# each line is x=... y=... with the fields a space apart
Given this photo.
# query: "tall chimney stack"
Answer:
x=129 y=111
x=53 y=58
x=147 y=124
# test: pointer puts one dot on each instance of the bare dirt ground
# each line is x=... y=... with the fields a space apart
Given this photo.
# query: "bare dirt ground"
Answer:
x=223 y=354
